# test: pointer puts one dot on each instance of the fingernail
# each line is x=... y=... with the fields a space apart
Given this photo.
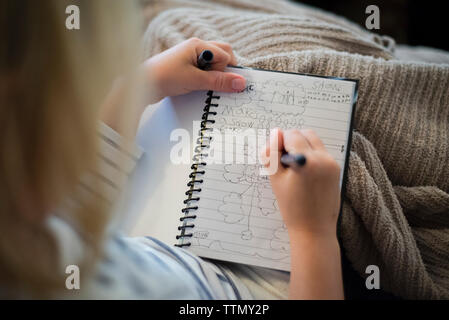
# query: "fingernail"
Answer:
x=238 y=84
x=264 y=157
x=273 y=136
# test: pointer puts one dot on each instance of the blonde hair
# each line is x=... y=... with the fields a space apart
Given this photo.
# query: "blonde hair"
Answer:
x=52 y=84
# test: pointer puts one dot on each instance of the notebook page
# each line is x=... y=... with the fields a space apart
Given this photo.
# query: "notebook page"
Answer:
x=238 y=218
x=154 y=196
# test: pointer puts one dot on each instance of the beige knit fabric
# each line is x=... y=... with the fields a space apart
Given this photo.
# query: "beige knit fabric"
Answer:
x=396 y=208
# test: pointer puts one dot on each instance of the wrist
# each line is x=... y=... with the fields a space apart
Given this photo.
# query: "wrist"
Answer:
x=153 y=86
x=309 y=238
x=315 y=267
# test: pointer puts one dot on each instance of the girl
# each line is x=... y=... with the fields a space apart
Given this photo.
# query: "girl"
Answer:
x=53 y=208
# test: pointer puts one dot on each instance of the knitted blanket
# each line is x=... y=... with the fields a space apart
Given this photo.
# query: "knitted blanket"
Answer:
x=396 y=206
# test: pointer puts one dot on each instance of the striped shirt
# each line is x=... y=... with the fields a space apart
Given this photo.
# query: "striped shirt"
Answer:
x=139 y=268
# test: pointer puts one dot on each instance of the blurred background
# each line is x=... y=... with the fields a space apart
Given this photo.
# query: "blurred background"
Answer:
x=412 y=22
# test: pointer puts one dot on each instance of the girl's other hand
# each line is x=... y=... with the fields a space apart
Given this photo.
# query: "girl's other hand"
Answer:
x=175 y=72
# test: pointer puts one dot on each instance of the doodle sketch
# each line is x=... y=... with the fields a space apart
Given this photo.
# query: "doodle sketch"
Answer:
x=238 y=218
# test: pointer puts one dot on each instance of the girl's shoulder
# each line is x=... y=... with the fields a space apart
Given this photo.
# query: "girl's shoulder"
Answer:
x=145 y=268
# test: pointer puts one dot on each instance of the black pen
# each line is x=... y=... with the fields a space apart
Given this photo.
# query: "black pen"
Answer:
x=293 y=160
x=205 y=59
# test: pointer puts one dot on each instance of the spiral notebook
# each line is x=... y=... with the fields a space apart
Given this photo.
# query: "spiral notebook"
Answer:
x=227 y=210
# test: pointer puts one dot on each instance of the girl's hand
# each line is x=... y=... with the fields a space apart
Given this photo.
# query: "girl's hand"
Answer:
x=309 y=200
x=175 y=72
x=308 y=197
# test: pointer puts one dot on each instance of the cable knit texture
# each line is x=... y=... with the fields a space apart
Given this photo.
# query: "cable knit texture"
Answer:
x=396 y=208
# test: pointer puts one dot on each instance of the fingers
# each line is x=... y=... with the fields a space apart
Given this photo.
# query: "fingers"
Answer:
x=221 y=58
x=300 y=141
x=226 y=47
x=292 y=141
x=223 y=54
x=215 y=79
x=313 y=139
x=296 y=142
x=220 y=81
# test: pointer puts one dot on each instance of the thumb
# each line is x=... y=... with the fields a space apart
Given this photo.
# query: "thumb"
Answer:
x=271 y=156
x=276 y=149
x=221 y=81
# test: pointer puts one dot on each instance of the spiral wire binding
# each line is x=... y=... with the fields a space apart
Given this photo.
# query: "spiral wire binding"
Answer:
x=202 y=143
